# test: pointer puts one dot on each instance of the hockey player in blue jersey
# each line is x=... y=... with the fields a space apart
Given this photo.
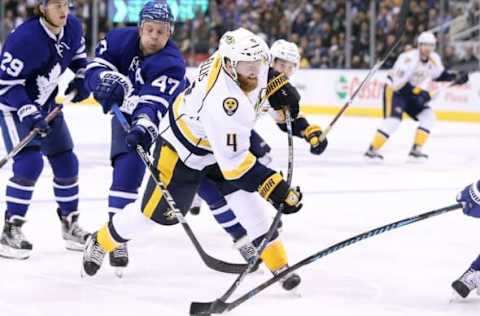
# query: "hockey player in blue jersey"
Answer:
x=34 y=56
x=143 y=67
x=470 y=279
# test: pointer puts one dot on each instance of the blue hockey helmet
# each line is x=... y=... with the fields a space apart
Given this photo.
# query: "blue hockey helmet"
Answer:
x=45 y=2
x=157 y=11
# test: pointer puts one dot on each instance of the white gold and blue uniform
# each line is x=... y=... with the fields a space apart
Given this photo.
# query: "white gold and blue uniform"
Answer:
x=32 y=60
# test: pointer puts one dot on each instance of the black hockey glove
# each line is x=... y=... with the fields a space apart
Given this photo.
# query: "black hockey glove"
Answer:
x=461 y=78
x=76 y=86
x=276 y=191
x=287 y=96
x=312 y=136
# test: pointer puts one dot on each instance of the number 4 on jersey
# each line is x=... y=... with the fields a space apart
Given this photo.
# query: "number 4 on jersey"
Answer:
x=232 y=141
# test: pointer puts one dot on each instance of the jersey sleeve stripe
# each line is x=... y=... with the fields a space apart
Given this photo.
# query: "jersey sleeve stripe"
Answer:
x=80 y=56
x=154 y=98
x=243 y=168
x=97 y=61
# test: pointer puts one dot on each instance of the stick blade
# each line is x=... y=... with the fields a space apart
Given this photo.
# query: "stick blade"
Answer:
x=207 y=308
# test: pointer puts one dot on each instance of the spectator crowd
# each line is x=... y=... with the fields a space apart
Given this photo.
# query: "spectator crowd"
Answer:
x=318 y=27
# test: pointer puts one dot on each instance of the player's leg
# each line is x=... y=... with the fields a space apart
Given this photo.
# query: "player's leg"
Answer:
x=27 y=167
x=253 y=213
x=469 y=280
x=426 y=119
x=393 y=104
x=182 y=183
x=58 y=147
x=127 y=176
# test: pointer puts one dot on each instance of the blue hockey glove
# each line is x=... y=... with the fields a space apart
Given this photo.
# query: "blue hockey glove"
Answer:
x=76 y=86
x=113 y=88
x=470 y=199
x=143 y=133
x=33 y=119
x=312 y=136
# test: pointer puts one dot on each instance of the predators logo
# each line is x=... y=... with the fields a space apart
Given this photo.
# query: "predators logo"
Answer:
x=230 y=105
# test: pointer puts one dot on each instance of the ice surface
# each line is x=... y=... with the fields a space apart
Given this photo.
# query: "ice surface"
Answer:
x=404 y=272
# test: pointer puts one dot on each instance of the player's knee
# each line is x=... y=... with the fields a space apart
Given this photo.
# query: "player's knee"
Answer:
x=28 y=165
x=390 y=125
x=427 y=119
x=64 y=165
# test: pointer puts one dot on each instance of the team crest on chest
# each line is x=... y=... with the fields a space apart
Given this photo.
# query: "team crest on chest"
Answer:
x=230 y=105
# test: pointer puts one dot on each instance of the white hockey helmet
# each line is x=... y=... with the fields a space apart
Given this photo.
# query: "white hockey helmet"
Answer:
x=242 y=45
x=427 y=38
x=285 y=50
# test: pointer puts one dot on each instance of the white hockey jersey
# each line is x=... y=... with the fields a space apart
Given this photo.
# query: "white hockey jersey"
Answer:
x=409 y=68
x=211 y=121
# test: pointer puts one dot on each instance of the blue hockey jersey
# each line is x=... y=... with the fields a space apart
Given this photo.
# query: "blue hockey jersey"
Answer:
x=32 y=60
x=157 y=79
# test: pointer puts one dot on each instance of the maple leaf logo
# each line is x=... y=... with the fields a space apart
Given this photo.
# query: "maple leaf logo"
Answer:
x=47 y=84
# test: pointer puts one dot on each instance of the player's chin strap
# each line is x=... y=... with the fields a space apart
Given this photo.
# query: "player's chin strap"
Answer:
x=218 y=306
x=211 y=262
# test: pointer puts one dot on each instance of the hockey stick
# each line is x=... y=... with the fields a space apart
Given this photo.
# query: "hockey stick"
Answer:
x=376 y=67
x=211 y=262
x=27 y=139
x=198 y=308
x=205 y=308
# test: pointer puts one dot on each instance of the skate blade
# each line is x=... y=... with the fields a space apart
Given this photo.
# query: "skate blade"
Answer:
x=455 y=297
x=119 y=272
x=373 y=160
x=415 y=160
x=74 y=246
x=11 y=253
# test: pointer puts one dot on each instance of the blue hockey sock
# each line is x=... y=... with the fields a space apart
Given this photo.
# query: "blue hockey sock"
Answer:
x=220 y=210
x=128 y=172
x=27 y=166
x=476 y=264
x=65 y=182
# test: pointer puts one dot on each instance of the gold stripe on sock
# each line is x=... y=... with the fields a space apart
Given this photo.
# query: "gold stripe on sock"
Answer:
x=275 y=256
x=379 y=140
x=105 y=239
x=421 y=137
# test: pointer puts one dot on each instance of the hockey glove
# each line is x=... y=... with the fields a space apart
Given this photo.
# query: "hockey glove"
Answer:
x=76 y=86
x=470 y=199
x=112 y=89
x=422 y=96
x=287 y=96
x=461 y=78
x=143 y=133
x=312 y=136
x=276 y=191
x=33 y=119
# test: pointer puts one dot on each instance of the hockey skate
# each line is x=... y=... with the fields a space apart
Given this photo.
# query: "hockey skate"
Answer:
x=416 y=154
x=469 y=281
x=119 y=259
x=13 y=244
x=373 y=155
x=248 y=251
x=93 y=255
x=74 y=236
x=289 y=282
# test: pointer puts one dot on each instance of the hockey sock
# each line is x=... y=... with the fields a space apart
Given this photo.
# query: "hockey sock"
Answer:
x=476 y=264
x=128 y=172
x=421 y=136
x=379 y=140
x=220 y=209
x=275 y=256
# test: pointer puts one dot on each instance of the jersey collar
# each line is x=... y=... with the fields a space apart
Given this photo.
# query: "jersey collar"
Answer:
x=49 y=33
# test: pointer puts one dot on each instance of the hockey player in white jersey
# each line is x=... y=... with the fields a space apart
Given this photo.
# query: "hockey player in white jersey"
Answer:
x=208 y=131
x=406 y=92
